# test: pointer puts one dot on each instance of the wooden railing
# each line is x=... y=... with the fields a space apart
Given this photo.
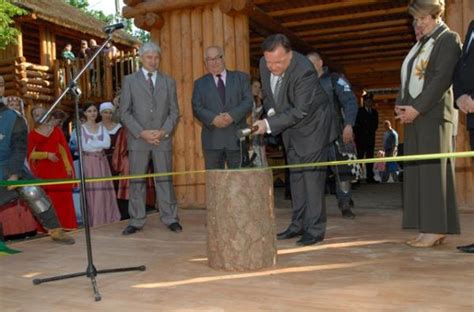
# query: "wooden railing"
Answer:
x=43 y=84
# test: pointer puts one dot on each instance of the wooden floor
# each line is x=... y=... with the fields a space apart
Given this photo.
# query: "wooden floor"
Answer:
x=362 y=265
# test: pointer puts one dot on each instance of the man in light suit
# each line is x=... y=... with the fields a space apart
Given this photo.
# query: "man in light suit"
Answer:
x=306 y=120
x=221 y=101
x=149 y=110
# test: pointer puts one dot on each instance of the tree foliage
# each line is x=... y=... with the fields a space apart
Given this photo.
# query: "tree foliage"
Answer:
x=140 y=34
x=8 y=32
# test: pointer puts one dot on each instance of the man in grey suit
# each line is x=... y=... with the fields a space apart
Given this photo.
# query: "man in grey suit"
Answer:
x=221 y=101
x=149 y=110
x=302 y=114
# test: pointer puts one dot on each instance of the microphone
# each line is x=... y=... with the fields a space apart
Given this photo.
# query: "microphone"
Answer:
x=111 y=28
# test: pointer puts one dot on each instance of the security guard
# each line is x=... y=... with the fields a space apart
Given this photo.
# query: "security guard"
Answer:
x=344 y=102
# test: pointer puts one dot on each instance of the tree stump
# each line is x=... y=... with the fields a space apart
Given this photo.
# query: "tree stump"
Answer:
x=240 y=220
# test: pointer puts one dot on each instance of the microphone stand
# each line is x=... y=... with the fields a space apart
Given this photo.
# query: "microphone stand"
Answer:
x=90 y=271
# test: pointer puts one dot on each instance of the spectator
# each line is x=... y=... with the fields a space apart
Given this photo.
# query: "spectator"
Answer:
x=344 y=103
x=49 y=158
x=390 y=146
x=366 y=126
x=101 y=199
x=67 y=53
x=425 y=106
x=221 y=101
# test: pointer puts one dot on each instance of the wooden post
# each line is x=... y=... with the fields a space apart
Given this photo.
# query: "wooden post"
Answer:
x=240 y=221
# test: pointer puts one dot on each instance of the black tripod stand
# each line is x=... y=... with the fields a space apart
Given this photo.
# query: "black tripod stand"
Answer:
x=91 y=271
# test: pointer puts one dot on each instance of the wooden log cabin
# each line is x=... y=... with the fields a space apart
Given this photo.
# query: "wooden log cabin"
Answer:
x=34 y=69
x=366 y=40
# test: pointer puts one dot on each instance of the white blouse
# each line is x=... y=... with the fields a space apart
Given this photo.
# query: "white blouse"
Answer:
x=95 y=142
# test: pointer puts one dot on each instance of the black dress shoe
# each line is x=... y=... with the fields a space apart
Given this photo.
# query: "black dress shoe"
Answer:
x=287 y=234
x=467 y=248
x=348 y=214
x=175 y=227
x=308 y=239
x=130 y=229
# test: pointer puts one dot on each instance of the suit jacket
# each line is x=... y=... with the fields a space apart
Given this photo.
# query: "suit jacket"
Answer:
x=141 y=110
x=463 y=81
x=365 y=126
x=436 y=99
x=304 y=114
x=207 y=105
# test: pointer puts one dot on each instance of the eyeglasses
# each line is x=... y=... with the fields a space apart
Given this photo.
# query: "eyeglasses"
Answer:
x=213 y=59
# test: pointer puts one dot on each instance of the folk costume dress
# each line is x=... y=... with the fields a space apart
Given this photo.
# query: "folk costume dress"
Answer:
x=101 y=198
x=39 y=145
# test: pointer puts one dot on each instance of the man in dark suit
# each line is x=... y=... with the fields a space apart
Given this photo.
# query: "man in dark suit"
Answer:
x=463 y=86
x=221 y=101
x=463 y=82
x=306 y=120
x=149 y=110
x=366 y=125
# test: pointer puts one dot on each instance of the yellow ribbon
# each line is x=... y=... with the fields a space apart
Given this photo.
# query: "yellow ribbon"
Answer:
x=41 y=182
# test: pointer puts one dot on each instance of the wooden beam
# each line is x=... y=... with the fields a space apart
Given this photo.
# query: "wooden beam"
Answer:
x=344 y=29
x=370 y=67
x=345 y=17
x=398 y=58
x=361 y=34
x=322 y=7
x=263 y=20
x=363 y=42
x=162 y=6
x=369 y=55
x=371 y=48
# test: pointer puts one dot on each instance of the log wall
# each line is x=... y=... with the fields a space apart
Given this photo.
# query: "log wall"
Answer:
x=184 y=35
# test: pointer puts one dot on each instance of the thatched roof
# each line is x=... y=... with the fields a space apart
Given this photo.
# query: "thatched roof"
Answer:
x=60 y=13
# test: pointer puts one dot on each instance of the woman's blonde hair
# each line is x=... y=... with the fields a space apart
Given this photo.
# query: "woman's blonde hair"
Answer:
x=435 y=8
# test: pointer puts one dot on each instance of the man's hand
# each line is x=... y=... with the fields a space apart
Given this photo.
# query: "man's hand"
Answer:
x=151 y=136
x=262 y=127
x=13 y=177
x=219 y=122
x=347 y=134
x=161 y=134
x=407 y=114
x=227 y=119
x=465 y=103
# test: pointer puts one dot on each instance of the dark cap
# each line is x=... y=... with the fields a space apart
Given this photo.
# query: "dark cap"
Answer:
x=368 y=96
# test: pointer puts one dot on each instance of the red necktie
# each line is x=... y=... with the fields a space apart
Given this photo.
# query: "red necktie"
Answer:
x=221 y=88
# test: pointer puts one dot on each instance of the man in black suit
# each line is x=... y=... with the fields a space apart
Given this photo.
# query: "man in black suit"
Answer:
x=291 y=87
x=221 y=101
x=463 y=86
x=463 y=82
x=366 y=125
